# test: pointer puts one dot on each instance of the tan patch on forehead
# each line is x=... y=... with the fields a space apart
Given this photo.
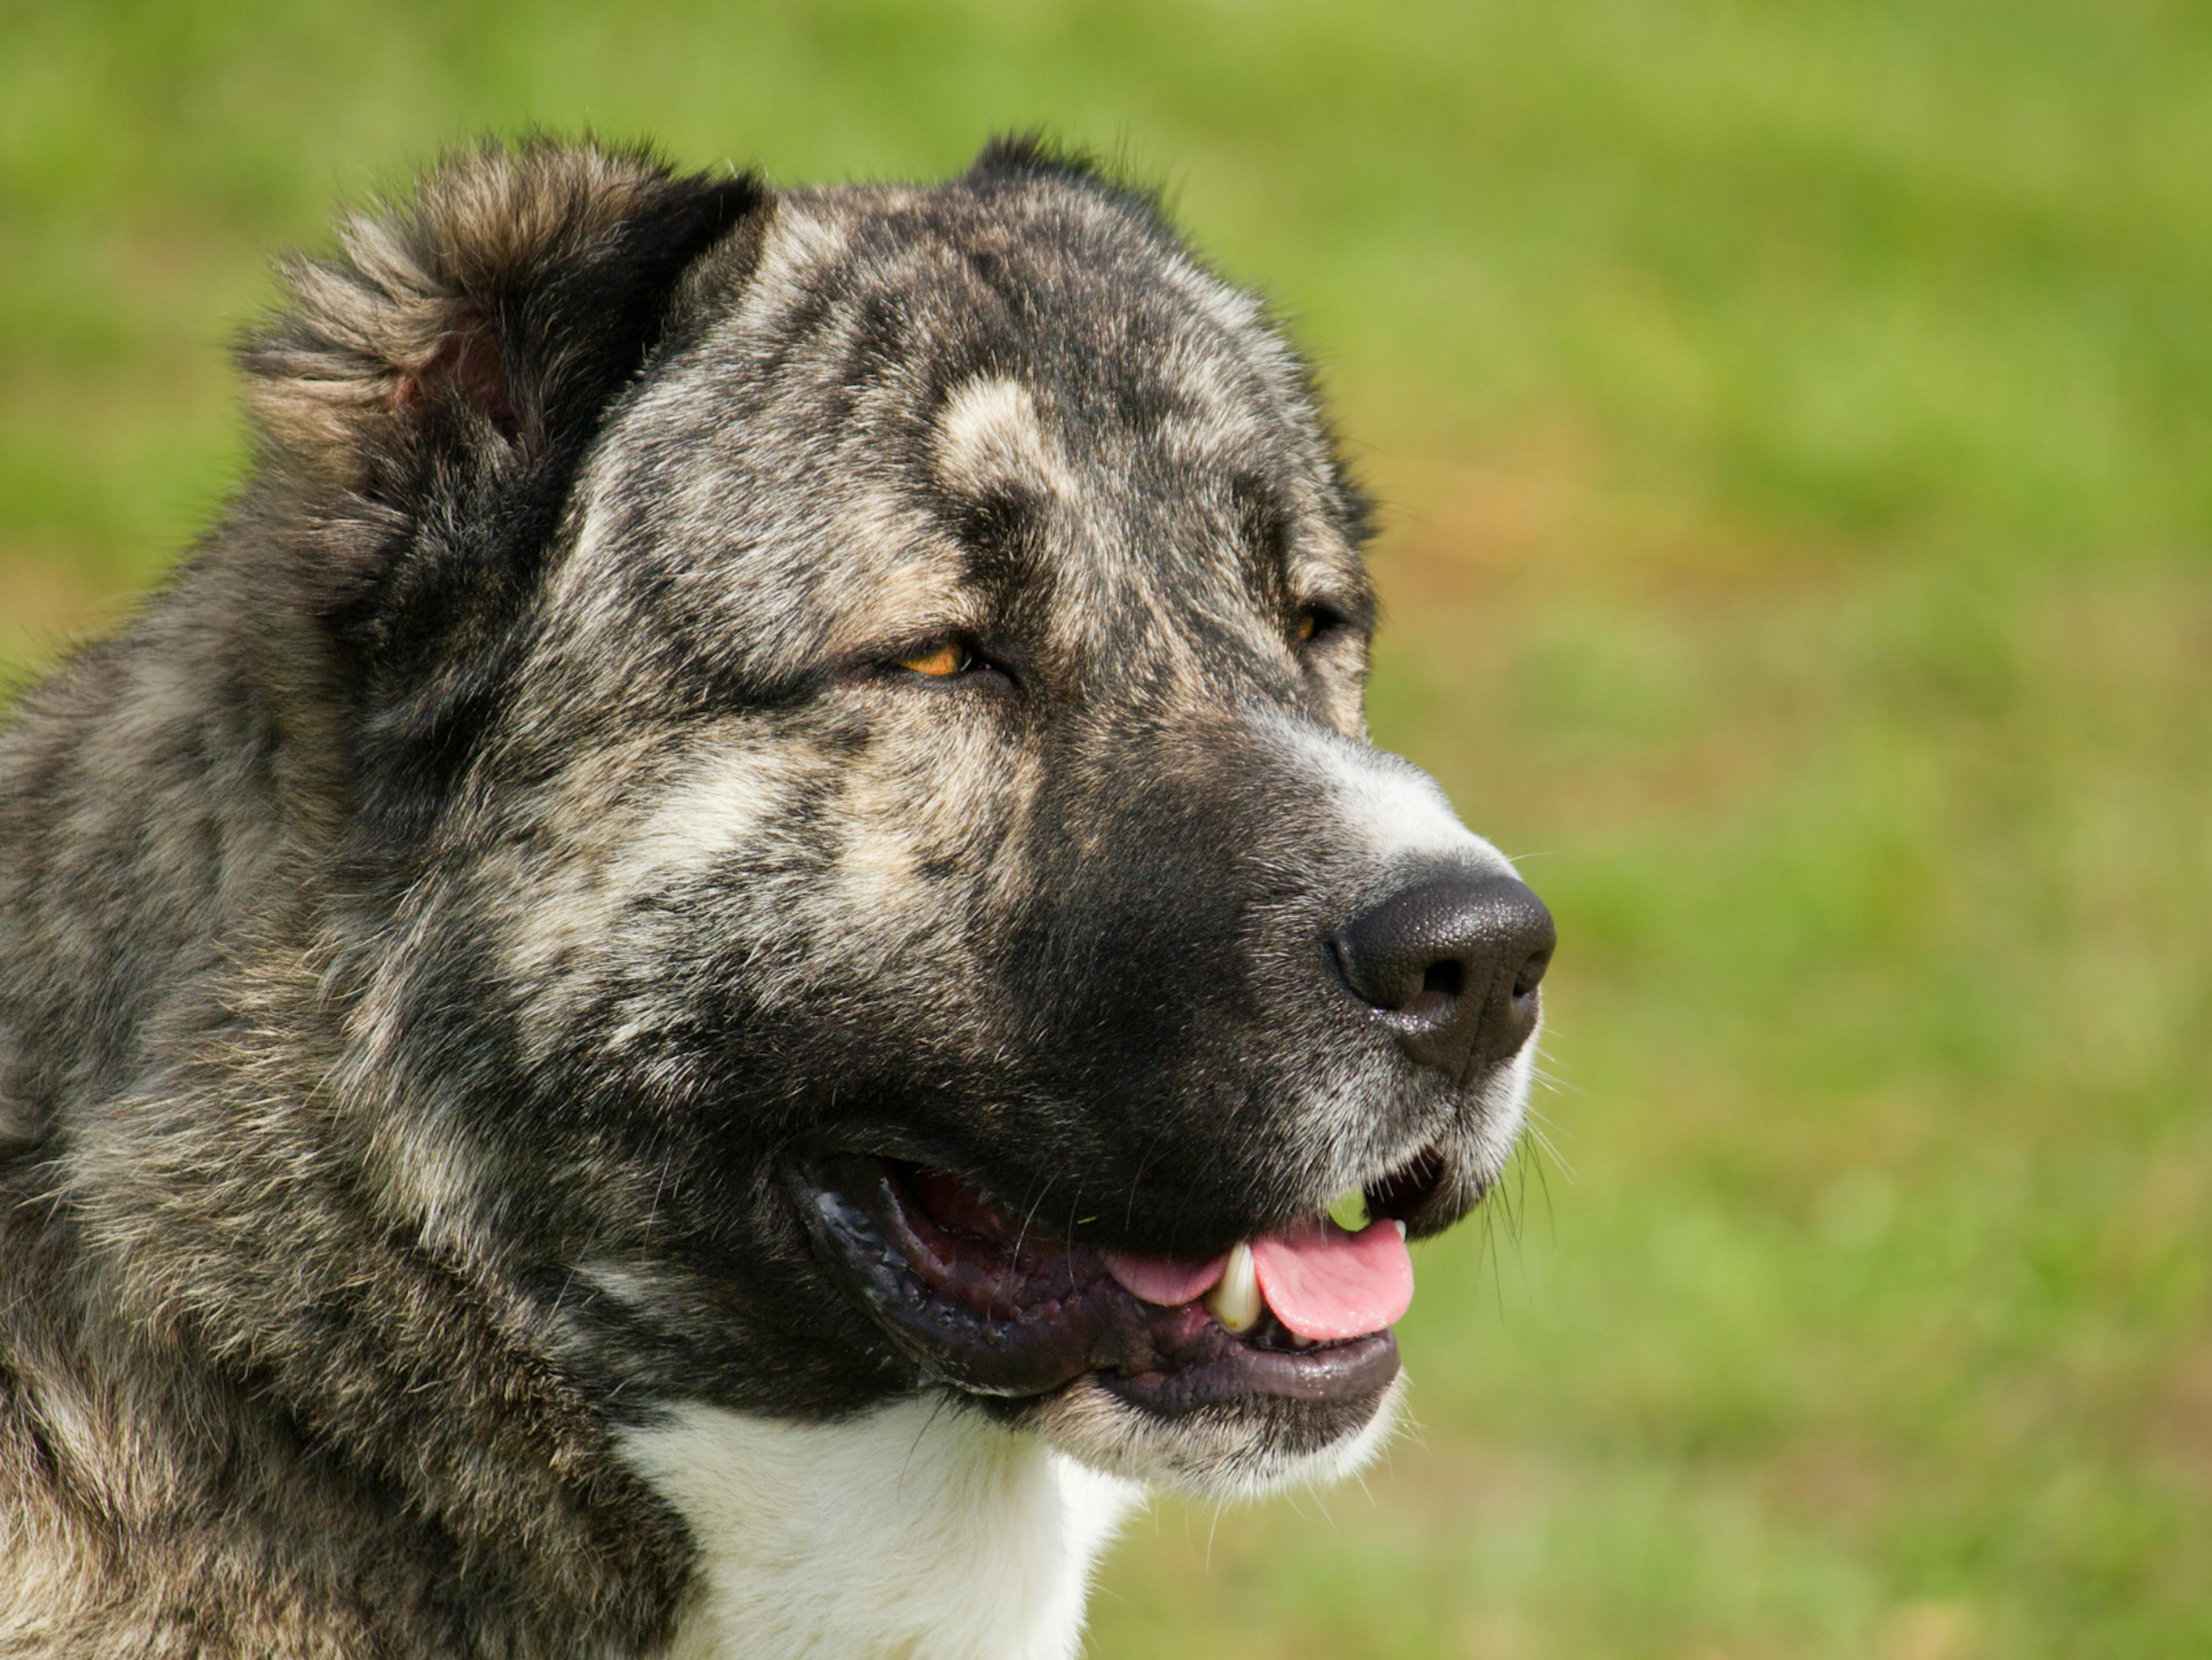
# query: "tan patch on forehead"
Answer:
x=989 y=436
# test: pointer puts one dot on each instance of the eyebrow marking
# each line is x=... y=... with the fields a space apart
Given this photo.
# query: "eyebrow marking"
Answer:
x=989 y=438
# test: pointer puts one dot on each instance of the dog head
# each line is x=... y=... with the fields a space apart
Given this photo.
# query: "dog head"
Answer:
x=864 y=871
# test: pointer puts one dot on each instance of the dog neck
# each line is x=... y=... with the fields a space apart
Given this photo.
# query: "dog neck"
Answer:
x=920 y=1531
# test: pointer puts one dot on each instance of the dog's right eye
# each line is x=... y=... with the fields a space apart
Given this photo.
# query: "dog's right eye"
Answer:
x=946 y=657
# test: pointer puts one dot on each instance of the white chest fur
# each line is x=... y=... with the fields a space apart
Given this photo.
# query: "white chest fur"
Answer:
x=920 y=1531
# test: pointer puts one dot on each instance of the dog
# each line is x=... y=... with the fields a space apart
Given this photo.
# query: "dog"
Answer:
x=731 y=960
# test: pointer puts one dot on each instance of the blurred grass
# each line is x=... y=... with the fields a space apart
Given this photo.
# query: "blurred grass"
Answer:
x=1796 y=425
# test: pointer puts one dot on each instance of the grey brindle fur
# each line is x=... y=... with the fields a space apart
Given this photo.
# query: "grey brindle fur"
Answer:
x=437 y=935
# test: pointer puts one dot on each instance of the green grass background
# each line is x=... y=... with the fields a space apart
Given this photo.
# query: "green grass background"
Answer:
x=1795 y=426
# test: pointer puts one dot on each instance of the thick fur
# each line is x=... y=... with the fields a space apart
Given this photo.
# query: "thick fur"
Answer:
x=433 y=930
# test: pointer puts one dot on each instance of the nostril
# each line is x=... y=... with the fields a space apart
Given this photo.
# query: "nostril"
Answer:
x=1532 y=973
x=1446 y=978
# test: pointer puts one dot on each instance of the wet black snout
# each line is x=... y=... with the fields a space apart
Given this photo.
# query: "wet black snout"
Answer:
x=1452 y=963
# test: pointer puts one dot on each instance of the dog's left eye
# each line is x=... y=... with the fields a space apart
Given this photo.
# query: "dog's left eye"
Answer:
x=1312 y=622
x=945 y=658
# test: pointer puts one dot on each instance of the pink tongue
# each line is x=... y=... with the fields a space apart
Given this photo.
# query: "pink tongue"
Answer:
x=1166 y=1281
x=1325 y=1283
x=1322 y=1283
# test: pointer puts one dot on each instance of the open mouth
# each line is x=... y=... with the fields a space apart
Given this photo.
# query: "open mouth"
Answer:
x=996 y=1305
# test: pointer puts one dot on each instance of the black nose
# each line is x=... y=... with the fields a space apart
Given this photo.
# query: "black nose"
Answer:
x=1452 y=963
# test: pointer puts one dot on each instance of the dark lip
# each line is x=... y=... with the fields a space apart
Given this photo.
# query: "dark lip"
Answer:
x=1029 y=1317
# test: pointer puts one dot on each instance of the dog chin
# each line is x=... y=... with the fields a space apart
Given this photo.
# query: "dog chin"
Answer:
x=1227 y=1450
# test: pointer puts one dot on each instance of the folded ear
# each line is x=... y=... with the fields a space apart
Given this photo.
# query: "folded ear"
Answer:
x=468 y=340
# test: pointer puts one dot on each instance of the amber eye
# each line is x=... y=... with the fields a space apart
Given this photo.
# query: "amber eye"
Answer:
x=945 y=658
x=1308 y=624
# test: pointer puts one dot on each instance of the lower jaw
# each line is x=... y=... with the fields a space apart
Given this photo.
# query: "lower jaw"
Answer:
x=1347 y=1376
x=1229 y=1447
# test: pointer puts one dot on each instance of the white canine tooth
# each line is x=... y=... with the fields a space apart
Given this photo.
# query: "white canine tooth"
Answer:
x=1236 y=1299
x=1400 y=1225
